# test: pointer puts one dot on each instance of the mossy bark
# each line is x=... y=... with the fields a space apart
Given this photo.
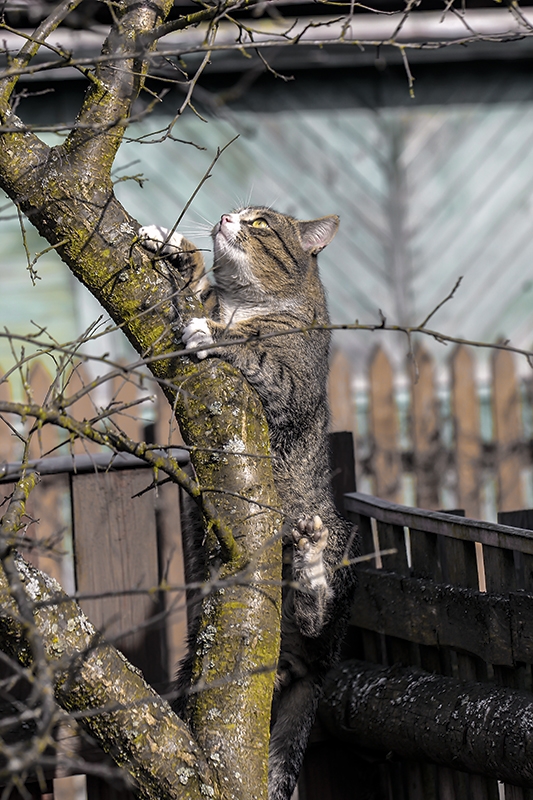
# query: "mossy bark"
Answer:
x=133 y=722
x=66 y=192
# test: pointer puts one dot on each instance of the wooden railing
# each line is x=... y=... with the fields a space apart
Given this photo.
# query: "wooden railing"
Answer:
x=453 y=602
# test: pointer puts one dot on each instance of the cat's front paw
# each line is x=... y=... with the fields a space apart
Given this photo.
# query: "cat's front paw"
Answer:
x=158 y=240
x=310 y=537
x=197 y=334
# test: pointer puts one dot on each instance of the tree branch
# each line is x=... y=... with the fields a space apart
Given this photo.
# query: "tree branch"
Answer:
x=131 y=720
x=67 y=193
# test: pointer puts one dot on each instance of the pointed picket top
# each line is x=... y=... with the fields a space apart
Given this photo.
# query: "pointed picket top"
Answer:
x=340 y=393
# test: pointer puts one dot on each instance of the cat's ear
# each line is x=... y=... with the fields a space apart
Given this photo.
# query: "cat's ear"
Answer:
x=317 y=233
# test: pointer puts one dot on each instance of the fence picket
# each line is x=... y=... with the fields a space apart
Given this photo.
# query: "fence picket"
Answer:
x=46 y=437
x=508 y=432
x=118 y=527
x=7 y=440
x=340 y=393
x=425 y=430
x=465 y=412
x=384 y=428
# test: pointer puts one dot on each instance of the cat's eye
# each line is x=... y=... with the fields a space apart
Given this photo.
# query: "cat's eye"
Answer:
x=260 y=223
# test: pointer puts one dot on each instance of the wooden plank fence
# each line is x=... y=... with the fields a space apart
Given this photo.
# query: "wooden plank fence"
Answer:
x=100 y=533
x=442 y=605
x=455 y=599
x=454 y=445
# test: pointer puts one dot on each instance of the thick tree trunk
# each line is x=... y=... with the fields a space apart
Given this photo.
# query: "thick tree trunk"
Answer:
x=67 y=194
x=475 y=727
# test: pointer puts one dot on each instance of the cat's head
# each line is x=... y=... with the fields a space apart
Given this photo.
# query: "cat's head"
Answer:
x=258 y=249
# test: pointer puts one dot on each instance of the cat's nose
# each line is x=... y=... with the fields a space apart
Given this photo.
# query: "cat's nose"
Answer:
x=225 y=218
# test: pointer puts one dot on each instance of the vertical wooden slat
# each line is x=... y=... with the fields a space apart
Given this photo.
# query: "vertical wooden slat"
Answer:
x=125 y=390
x=513 y=570
x=465 y=411
x=167 y=430
x=48 y=504
x=86 y=407
x=392 y=537
x=8 y=441
x=426 y=563
x=46 y=438
x=522 y=562
x=508 y=433
x=425 y=555
x=116 y=551
x=386 y=463
x=500 y=569
x=425 y=431
x=342 y=457
x=514 y=793
x=172 y=571
x=340 y=393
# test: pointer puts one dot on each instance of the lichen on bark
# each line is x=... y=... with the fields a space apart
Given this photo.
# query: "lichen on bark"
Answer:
x=66 y=192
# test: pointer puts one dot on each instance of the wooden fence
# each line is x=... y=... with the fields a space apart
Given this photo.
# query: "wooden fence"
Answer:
x=120 y=543
x=454 y=599
x=98 y=531
x=458 y=445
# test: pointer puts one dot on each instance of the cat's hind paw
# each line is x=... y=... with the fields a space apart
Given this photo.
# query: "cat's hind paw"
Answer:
x=310 y=537
x=197 y=334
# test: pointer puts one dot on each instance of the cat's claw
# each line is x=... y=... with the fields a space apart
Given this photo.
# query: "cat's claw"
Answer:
x=155 y=238
x=197 y=334
x=310 y=533
x=310 y=537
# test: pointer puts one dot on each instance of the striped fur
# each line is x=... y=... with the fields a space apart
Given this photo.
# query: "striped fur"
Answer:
x=266 y=281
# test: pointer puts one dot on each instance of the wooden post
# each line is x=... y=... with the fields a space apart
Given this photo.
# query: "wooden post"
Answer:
x=342 y=466
x=507 y=431
x=465 y=411
x=383 y=418
x=425 y=431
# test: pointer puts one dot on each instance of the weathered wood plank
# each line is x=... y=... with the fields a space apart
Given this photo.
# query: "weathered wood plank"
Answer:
x=392 y=537
x=439 y=522
x=386 y=465
x=173 y=573
x=425 y=431
x=115 y=547
x=342 y=466
x=340 y=393
x=508 y=433
x=465 y=412
x=523 y=562
x=496 y=628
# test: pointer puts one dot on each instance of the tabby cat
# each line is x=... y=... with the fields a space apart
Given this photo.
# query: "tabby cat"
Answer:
x=266 y=280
